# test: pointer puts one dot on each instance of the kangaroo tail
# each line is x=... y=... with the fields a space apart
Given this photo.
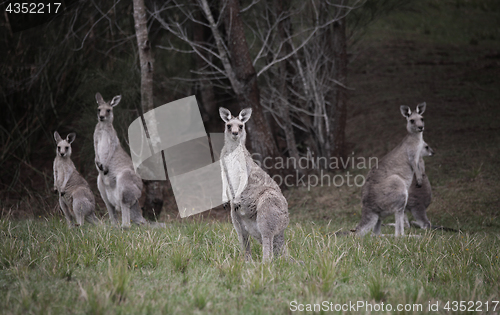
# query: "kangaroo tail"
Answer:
x=92 y=219
x=443 y=228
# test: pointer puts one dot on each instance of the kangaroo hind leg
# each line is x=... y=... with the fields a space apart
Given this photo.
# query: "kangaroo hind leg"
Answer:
x=78 y=209
x=242 y=234
x=67 y=212
x=369 y=221
x=279 y=246
x=399 y=213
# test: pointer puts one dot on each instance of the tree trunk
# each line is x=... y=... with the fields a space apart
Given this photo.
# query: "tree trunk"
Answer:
x=284 y=70
x=248 y=95
x=340 y=66
x=153 y=189
x=206 y=88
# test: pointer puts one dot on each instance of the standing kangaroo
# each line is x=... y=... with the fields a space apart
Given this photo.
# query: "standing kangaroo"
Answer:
x=119 y=185
x=75 y=197
x=258 y=207
x=386 y=189
x=419 y=199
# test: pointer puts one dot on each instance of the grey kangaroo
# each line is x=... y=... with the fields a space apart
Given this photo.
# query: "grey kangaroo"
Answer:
x=258 y=208
x=386 y=189
x=419 y=199
x=75 y=196
x=119 y=185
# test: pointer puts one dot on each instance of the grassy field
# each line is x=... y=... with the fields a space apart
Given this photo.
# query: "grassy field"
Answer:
x=195 y=267
x=446 y=53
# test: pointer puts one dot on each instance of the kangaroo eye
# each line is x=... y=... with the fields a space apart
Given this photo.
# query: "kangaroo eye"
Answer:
x=422 y=120
x=427 y=147
x=241 y=127
x=228 y=127
x=412 y=121
x=108 y=110
x=59 y=148
x=67 y=148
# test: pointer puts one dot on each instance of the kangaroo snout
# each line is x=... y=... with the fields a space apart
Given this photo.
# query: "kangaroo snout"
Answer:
x=420 y=128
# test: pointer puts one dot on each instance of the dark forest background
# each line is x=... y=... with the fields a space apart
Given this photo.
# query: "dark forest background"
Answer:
x=289 y=60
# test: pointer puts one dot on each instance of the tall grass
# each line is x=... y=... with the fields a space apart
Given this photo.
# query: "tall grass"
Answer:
x=197 y=266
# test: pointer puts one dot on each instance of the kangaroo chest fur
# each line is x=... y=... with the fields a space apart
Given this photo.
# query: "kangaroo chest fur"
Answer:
x=103 y=145
x=414 y=157
x=236 y=182
x=64 y=171
x=106 y=138
x=106 y=144
x=236 y=173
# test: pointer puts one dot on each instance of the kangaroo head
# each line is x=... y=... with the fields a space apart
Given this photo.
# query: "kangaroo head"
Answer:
x=64 y=145
x=415 y=120
x=235 y=126
x=426 y=150
x=105 y=109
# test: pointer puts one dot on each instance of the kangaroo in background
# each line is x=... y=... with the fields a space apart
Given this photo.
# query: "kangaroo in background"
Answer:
x=119 y=185
x=387 y=187
x=75 y=196
x=258 y=207
x=419 y=199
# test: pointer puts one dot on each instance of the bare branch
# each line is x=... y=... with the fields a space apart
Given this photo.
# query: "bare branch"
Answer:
x=220 y=46
x=249 y=6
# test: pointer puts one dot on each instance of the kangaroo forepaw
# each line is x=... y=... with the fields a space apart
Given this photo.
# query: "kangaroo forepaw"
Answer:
x=236 y=201
x=98 y=165
x=419 y=182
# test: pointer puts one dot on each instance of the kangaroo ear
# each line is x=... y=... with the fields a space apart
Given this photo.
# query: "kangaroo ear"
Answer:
x=98 y=98
x=225 y=114
x=245 y=114
x=115 y=100
x=405 y=111
x=71 y=137
x=421 y=108
x=57 y=137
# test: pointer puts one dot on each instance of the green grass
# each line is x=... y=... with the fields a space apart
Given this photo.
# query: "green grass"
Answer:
x=196 y=267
